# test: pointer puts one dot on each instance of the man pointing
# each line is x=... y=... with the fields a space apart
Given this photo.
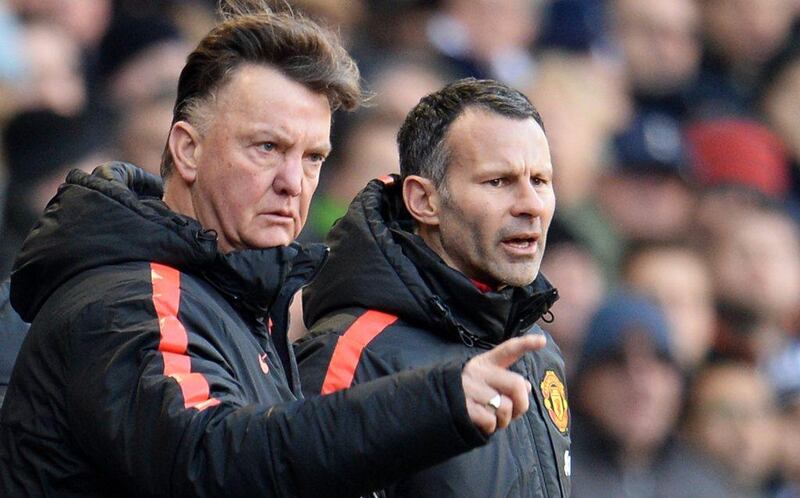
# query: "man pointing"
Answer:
x=441 y=264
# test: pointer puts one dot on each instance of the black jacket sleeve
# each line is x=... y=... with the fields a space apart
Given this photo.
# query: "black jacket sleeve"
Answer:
x=12 y=333
x=131 y=421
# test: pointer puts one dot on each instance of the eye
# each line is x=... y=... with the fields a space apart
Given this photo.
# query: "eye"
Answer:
x=268 y=146
x=537 y=180
x=317 y=158
x=496 y=182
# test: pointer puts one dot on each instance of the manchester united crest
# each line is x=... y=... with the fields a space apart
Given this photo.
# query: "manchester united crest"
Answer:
x=555 y=400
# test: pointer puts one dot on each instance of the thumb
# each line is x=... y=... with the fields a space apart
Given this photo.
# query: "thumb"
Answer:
x=507 y=353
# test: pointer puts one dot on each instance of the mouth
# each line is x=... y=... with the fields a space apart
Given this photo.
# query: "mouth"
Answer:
x=521 y=244
x=279 y=217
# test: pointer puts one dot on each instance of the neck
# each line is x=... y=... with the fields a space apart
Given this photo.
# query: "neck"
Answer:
x=178 y=198
x=432 y=238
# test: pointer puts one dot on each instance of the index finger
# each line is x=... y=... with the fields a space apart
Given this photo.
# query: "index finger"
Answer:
x=505 y=354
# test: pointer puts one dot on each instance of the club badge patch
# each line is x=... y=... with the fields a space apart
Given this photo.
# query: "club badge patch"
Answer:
x=555 y=400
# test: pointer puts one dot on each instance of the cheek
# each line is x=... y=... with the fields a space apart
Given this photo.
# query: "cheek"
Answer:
x=243 y=197
x=309 y=187
x=469 y=232
x=551 y=207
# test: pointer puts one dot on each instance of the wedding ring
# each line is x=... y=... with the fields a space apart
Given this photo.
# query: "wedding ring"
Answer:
x=495 y=401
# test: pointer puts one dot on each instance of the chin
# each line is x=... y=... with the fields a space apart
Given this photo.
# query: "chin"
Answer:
x=517 y=277
x=271 y=240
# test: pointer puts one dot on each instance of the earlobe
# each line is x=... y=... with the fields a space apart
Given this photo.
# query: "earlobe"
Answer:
x=422 y=199
x=183 y=145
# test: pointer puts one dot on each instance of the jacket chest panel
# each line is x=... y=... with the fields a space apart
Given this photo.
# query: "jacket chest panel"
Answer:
x=552 y=443
x=246 y=346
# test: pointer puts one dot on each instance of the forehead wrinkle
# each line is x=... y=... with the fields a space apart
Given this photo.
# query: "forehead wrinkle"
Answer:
x=264 y=116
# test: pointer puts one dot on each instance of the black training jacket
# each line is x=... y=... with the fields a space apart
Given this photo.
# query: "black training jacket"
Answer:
x=157 y=366
x=386 y=303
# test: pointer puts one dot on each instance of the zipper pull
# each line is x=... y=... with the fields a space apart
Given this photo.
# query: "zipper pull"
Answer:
x=467 y=338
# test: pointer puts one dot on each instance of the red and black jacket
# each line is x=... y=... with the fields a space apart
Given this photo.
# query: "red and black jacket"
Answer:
x=386 y=303
x=149 y=368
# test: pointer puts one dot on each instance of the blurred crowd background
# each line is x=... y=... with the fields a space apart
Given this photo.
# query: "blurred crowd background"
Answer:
x=674 y=127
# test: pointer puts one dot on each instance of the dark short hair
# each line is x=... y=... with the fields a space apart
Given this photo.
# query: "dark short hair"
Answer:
x=252 y=34
x=421 y=138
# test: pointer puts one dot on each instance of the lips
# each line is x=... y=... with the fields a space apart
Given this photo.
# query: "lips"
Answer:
x=522 y=243
x=283 y=212
x=279 y=216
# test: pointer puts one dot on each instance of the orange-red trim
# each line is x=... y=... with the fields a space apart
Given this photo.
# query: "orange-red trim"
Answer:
x=386 y=180
x=348 y=350
x=174 y=341
x=484 y=288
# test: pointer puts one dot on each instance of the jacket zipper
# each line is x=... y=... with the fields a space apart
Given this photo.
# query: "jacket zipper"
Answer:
x=469 y=339
x=528 y=374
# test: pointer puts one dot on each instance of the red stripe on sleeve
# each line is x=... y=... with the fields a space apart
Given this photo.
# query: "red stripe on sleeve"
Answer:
x=174 y=341
x=175 y=363
x=348 y=349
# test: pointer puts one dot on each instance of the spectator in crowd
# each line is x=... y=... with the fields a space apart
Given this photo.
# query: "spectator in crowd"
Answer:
x=399 y=28
x=575 y=26
x=731 y=419
x=399 y=84
x=487 y=38
x=40 y=147
x=718 y=205
x=627 y=399
x=686 y=296
x=157 y=362
x=780 y=103
x=85 y=20
x=783 y=371
x=140 y=134
x=368 y=151
x=346 y=16
x=579 y=278
x=647 y=195
x=660 y=47
x=755 y=263
x=442 y=263
x=53 y=77
x=140 y=60
x=736 y=151
x=740 y=36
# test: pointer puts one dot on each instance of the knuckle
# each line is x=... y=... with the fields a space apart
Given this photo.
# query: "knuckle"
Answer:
x=520 y=385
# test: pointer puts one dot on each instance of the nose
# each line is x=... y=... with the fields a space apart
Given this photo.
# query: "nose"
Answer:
x=289 y=177
x=529 y=201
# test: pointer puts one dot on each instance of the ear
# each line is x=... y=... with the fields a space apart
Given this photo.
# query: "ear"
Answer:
x=184 y=141
x=422 y=199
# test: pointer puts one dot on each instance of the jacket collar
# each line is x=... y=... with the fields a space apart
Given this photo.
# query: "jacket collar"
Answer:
x=478 y=317
x=115 y=215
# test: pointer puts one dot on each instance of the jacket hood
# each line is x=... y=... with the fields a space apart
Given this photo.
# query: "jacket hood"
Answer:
x=377 y=262
x=115 y=215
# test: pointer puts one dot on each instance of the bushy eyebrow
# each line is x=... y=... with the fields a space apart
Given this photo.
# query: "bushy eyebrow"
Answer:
x=278 y=135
